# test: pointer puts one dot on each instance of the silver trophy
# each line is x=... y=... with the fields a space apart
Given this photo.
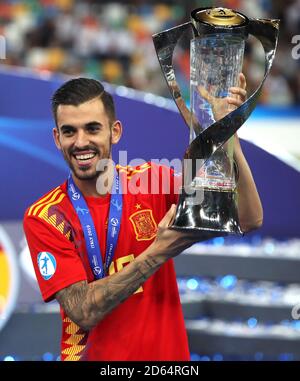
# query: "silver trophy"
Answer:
x=208 y=201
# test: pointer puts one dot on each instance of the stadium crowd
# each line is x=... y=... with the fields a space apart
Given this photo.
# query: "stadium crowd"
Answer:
x=112 y=41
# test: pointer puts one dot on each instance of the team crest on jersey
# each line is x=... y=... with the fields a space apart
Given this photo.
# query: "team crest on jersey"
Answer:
x=47 y=264
x=144 y=224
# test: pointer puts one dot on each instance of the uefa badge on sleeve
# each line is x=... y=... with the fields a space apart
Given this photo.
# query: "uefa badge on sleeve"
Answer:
x=47 y=264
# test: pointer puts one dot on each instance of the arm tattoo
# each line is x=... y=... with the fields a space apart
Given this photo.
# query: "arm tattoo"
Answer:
x=71 y=299
x=86 y=304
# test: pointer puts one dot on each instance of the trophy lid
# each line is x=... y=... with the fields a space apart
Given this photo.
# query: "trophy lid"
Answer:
x=222 y=17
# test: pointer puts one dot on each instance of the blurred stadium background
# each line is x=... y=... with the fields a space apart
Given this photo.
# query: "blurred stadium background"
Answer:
x=240 y=296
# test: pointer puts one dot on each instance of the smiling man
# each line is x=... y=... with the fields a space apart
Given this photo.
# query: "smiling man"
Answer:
x=110 y=253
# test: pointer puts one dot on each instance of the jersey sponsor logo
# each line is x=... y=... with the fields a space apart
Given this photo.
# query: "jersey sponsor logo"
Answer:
x=144 y=225
x=47 y=264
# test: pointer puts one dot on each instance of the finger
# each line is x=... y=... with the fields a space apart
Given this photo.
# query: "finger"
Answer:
x=168 y=218
x=204 y=93
x=234 y=102
x=242 y=80
x=239 y=91
x=238 y=94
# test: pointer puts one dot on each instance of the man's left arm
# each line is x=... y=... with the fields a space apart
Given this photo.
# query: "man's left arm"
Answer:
x=250 y=210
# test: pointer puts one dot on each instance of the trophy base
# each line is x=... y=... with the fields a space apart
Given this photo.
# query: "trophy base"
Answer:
x=213 y=215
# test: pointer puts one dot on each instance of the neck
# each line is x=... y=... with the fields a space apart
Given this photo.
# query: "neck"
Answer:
x=99 y=186
x=87 y=187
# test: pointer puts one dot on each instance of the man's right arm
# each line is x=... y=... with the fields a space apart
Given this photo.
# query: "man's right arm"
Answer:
x=88 y=303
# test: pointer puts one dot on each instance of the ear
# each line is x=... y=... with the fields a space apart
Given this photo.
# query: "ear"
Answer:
x=116 y=132
x=56 y=137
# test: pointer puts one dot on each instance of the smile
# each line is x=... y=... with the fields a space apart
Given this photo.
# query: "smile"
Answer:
x=85 y=157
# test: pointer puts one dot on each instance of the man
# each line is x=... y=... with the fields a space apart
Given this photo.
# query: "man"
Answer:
x=110 y=256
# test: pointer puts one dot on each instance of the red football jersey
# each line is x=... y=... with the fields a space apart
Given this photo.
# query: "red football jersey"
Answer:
x=149 y=325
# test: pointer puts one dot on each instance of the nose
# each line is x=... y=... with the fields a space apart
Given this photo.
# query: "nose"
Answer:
x=82 y=139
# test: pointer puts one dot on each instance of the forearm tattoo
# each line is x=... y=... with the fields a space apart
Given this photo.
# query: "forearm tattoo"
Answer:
x=86 y=304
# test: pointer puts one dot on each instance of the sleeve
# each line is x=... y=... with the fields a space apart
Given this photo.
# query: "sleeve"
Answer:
x=56 y=261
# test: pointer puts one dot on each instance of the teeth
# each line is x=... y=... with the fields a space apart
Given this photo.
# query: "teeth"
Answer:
x=85 y=157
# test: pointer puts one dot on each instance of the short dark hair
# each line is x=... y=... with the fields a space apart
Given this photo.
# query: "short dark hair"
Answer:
x=80 y=90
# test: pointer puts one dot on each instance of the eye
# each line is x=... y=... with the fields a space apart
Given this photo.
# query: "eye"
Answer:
x=93 y=129
x=68 y=131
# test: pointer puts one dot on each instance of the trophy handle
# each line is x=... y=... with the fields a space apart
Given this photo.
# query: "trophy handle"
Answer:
x=165 y=43
x=266 y=31
x=212 y=138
